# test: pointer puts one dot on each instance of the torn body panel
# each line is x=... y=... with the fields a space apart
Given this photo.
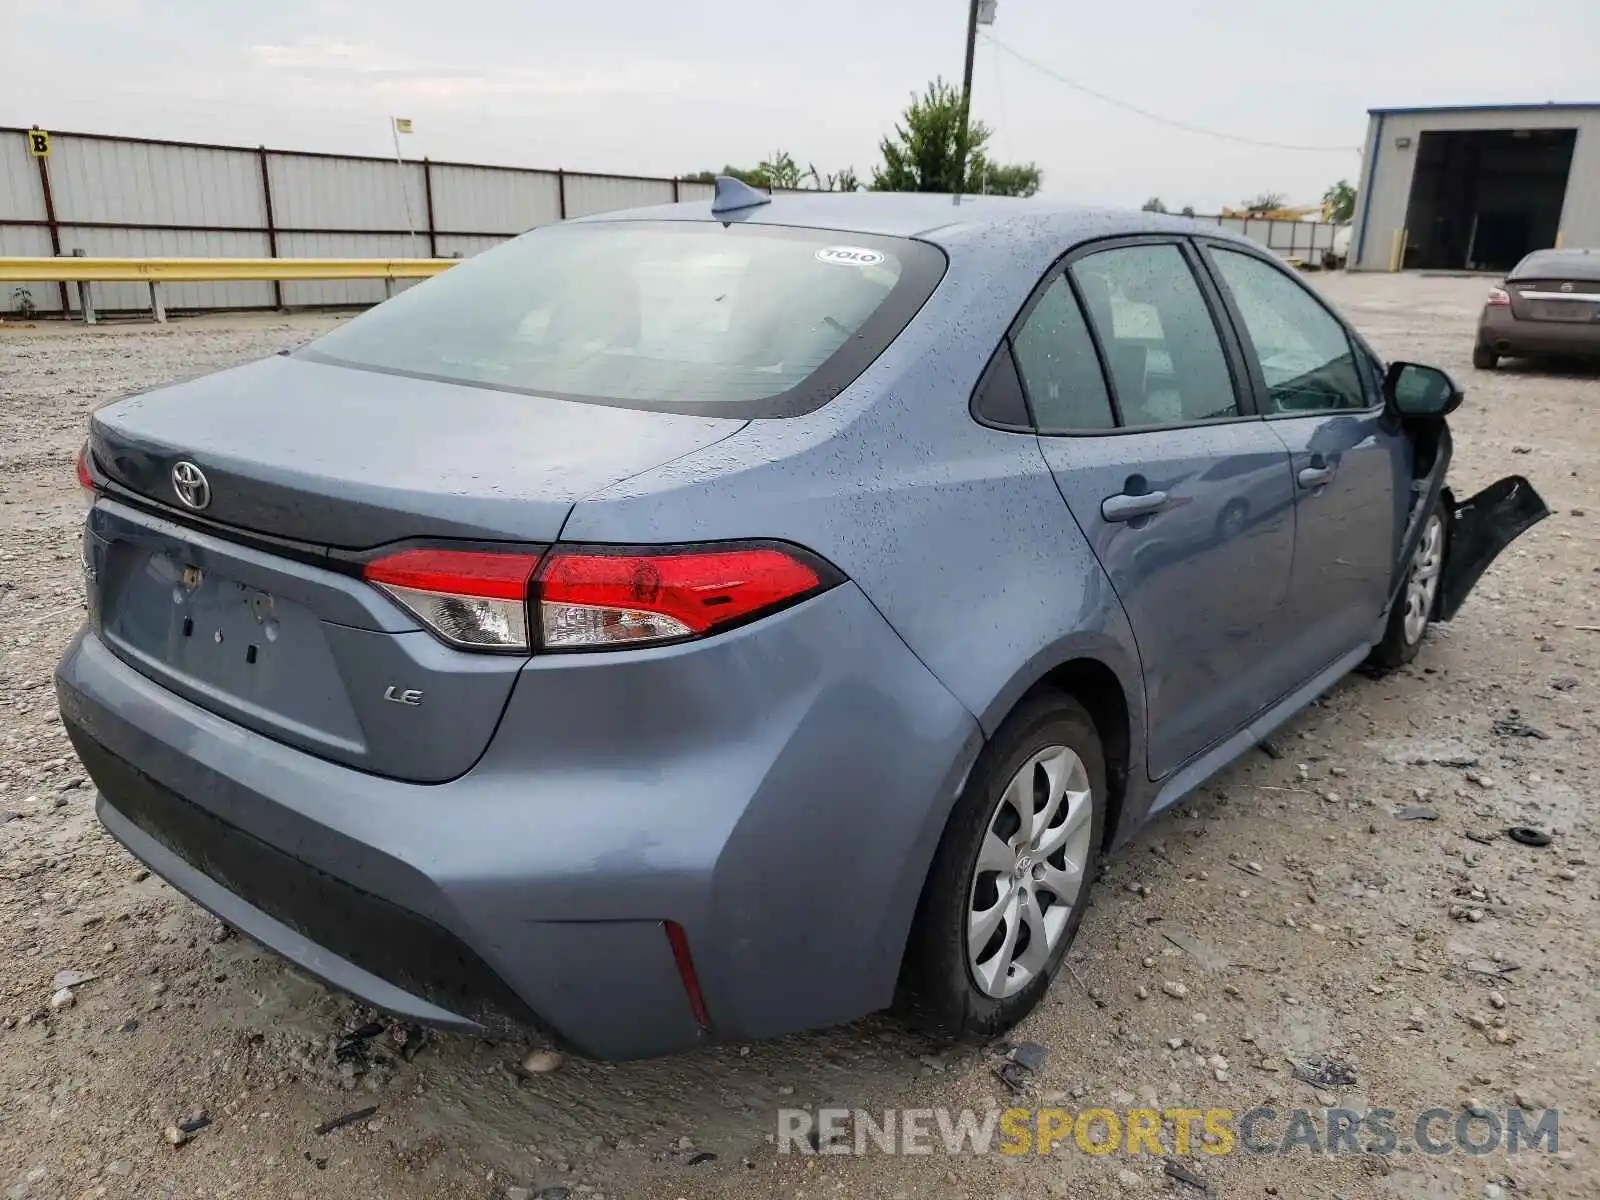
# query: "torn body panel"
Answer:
x=1481 y=527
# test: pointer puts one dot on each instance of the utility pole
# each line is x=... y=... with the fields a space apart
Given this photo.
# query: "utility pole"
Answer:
x=979 y=12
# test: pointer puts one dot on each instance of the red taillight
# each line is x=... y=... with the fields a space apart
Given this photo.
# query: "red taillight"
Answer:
x=1497 y=298
x=596 y=598
x=485 y=573
x=476 y=599
x=85 y=480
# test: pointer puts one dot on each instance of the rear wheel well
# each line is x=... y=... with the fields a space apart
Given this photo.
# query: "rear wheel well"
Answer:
x=1095 y=686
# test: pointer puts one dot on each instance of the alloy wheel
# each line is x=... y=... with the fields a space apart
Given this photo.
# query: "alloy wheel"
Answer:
x=1422 y=585
x=1030 y=870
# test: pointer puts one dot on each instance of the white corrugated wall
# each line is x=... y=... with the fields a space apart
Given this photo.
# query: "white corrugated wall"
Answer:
x=27 y=241
x=347 y=193
x=22 y=199
x=21 y=194
x=170 y=243
x=136 y=183
x=343 y=245
x=590 y=194
x=465 y=245
x=493 y=200
x=321 y=206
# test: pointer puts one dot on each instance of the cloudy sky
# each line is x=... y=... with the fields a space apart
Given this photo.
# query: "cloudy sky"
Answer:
x=656 y=87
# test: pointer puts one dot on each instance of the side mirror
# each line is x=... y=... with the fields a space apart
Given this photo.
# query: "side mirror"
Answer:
x=1413 y=390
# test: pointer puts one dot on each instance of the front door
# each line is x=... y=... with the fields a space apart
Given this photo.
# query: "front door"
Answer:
x=1185 y=498
x=1351 y=465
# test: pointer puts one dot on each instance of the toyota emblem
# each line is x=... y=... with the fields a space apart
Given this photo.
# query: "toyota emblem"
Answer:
x=189 y=481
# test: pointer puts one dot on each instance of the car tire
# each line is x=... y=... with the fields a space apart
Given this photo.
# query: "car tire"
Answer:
x=1418 y=599
x=1484 y=358
x=1047 y=748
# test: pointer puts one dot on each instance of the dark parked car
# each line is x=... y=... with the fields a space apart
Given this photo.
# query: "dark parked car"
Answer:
x=725 y=619
x=1548 y=305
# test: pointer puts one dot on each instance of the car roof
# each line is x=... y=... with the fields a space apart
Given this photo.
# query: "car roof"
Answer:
x=1568 y=263
x=945 y=220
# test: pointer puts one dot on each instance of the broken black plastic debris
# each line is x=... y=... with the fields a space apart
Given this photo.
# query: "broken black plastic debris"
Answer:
x=1324 y=1072
x=1529 y=835
x=352 y=1046
x=1182 y=1174
x=1515 y=726
x=1014 y=1076
x=349 y=1118
x=704 y=1156
x=1269 y=747
x=1029 y=1055
x=194 y=1123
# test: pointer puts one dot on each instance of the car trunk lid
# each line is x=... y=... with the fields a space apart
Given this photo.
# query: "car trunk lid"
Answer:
x=1554 y=298
x=253 y=607
x=347 y=458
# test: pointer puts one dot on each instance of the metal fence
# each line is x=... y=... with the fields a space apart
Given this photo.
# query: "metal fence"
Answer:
x=103 y=195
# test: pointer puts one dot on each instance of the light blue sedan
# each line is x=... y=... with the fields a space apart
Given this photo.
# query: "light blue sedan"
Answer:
x=719 y=620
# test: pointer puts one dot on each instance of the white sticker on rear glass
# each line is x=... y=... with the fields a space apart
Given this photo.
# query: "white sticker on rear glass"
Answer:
x=849 y=256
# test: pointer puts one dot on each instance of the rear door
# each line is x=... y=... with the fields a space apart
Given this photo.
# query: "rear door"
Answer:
x=1184 y=495
x=1351 y=464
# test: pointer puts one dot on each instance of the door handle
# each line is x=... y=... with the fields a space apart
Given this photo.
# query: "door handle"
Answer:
x=1124 y=507
x=1311 y=477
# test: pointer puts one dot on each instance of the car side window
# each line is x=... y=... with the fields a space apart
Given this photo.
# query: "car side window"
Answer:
x=1160 y=340
x=1059 y=367
x=1306 y=356
x=998 y=399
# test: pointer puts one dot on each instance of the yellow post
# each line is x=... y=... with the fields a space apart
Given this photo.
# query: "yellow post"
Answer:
x=1394 y=250
x=1558 y=239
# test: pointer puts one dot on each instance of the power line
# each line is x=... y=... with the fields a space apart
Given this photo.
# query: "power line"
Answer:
x=1157 y=117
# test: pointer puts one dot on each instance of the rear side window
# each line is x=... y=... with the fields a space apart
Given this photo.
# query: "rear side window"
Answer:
x=697 y=317
x=1161 y=343
x=1058 y=365
x=1305 y=355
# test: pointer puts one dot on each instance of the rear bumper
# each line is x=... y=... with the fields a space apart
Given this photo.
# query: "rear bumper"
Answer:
x=777 y=791
x=1500 y=330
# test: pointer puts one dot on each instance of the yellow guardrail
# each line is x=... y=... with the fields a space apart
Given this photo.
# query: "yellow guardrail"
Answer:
x=214 y=270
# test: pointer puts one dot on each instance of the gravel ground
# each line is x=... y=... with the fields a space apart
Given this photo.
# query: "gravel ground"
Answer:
x=1450 y=966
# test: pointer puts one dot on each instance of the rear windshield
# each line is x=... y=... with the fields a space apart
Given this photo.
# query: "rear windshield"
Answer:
x=695 y=317
x=1557 y=264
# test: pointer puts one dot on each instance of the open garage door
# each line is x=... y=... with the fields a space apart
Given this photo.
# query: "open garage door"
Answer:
x=1481 y=199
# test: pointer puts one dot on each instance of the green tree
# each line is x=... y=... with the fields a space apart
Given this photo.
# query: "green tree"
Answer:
x=1339 y=203
x=1003 y=179
x=1265 y=202
x=924 y=152
x=781 y=170
x=754 y=176
x=840 y=181
x=1155 y=204
x=1186 y=211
